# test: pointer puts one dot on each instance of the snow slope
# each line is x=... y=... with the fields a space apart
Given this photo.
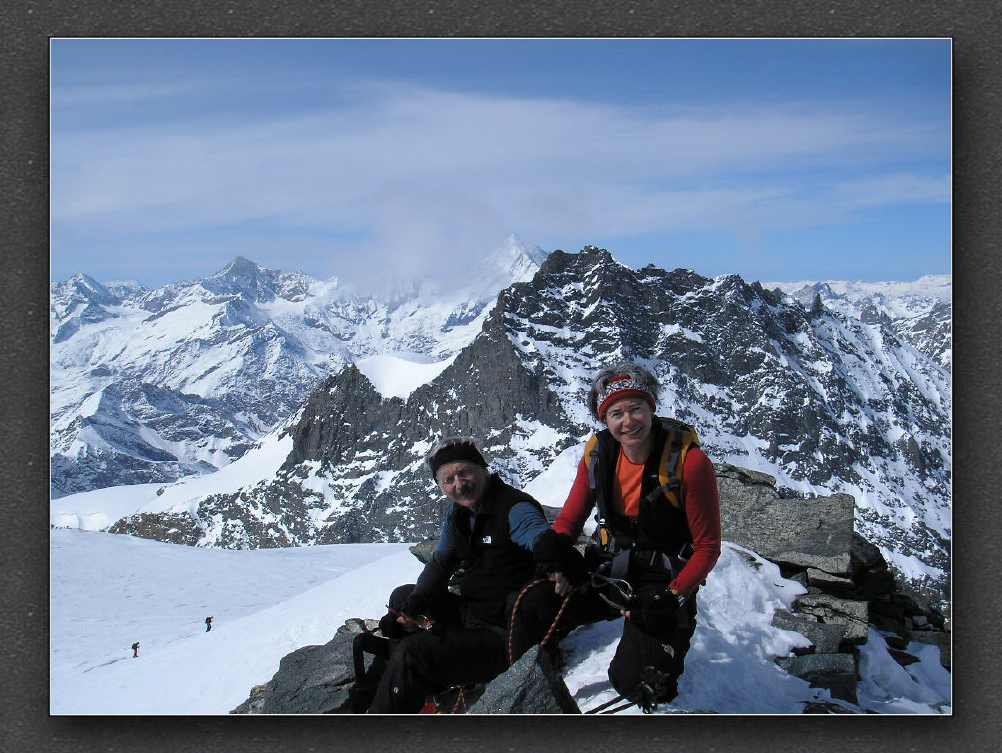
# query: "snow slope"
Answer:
x=108 y=591
x=98 y=509
x=393 y=375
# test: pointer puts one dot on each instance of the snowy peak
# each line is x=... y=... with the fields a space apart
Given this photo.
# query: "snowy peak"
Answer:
x=82 y=288
x=518 y=261
x=258 y=283
x=514 y=261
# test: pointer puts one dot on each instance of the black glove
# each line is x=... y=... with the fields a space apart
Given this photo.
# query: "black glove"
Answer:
x=389 y=626
x=555 y=553
x=417 y=605
x=655 y=610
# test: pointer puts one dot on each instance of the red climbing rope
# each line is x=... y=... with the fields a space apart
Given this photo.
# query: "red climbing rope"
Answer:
x=514 y=611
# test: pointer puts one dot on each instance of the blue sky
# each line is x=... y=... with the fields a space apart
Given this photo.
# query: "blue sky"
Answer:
x=367 y=159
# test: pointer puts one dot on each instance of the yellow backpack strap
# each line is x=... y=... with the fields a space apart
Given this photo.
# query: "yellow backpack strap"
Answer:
x=590 y=451
x=676 y=447
x=602 y=535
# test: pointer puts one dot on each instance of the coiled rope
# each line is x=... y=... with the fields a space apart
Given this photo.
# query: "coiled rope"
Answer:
x=514 y=612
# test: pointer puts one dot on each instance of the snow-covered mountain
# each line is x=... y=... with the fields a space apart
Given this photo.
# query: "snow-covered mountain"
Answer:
x=820 y=399
x=153 y=385
x=919 y=312
x=268 y=603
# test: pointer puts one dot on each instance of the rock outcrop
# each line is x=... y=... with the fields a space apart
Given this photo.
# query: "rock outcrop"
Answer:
x=311 y=680
x=813 y=533
x=532 y=685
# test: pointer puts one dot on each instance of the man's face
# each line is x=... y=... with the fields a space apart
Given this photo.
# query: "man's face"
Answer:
x=462 y=482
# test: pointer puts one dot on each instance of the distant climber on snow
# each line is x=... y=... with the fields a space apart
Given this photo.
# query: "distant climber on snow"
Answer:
x=441 y=639
x=135 y=650
x=657 y=538
x=208 y=624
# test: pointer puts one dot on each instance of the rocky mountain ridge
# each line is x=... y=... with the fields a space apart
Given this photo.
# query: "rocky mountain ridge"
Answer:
x=920 y=313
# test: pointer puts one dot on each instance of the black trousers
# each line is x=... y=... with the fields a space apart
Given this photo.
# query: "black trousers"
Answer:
x=456 y=651
x=637 y=649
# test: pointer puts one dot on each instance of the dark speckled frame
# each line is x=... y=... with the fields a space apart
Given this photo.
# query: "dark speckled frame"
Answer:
x=27 y=25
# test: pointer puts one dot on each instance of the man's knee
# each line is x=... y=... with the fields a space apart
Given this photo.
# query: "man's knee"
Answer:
x=539 y=601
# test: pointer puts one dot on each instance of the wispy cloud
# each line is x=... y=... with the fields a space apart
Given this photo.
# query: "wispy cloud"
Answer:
x=90 y=95
x=420 y=173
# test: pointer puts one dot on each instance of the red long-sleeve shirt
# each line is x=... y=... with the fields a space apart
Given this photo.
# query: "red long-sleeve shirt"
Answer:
x=702 y=510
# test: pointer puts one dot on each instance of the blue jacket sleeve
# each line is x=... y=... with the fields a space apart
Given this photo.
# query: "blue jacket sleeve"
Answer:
x=435 y=576
x=526 y=522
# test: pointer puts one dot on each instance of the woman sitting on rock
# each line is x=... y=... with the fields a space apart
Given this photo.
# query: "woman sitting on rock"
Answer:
x=657 y=538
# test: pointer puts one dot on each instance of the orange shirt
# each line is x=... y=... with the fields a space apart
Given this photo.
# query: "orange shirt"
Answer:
x=626 y=487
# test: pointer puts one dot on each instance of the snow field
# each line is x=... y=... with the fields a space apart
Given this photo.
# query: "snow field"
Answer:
x=108 y=591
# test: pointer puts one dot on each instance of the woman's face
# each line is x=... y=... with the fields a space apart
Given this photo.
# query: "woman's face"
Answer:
x=629 y=421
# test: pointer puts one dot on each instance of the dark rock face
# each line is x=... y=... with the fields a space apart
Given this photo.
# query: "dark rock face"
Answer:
x=172 y=528
x=532 y=685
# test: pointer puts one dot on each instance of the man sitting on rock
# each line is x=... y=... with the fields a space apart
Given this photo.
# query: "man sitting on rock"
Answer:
x=445 y=639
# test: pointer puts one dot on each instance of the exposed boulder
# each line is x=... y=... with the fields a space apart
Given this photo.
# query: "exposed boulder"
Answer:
x=829 y=583
x=310 y=680
x=825 y=638
x=815 y=533
x=532 y=685
x=833 y=610
x=836 y=672
x=424 y=549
